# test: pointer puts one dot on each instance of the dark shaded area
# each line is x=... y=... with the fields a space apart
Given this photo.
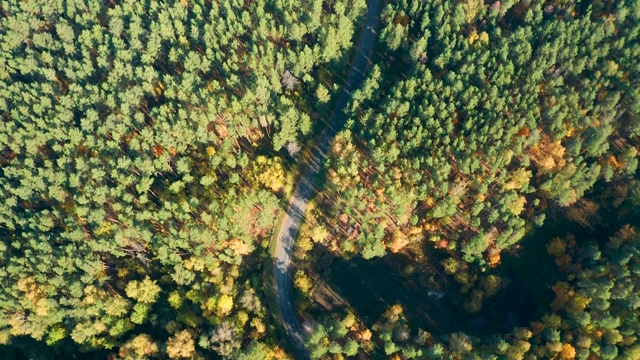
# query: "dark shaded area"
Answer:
x=528 y=272
x=533 y=271
x=371 y=286
x=25 y=347
x=513 y=306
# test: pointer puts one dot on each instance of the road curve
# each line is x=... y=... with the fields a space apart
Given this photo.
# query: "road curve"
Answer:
x=283 y=281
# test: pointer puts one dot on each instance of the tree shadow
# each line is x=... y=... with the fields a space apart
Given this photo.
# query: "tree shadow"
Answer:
x=372 y=286
x=282 y=264
x=284 y=280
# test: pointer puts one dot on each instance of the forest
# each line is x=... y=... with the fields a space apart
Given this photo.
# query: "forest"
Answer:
x=145 y=150
x=482 y=200
x=506 y=119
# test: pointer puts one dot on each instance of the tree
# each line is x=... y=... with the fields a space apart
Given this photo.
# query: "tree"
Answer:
x=289 y=81
x=130 y=163
x=224 y=305
x=224 y=339
x=138 y=347
x=181 y=345
x=350 y=348
x=145 y=291
x=322 y=94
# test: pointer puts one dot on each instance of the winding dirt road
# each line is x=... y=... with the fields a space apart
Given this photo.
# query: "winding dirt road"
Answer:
x=289 y=228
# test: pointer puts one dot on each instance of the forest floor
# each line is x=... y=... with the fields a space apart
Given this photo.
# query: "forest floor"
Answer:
x=431 y=300
x=371 y=286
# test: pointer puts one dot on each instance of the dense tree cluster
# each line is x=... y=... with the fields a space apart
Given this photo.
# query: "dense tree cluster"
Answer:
x=498 y=112
x=145 y=148
x=477 y=121
x=338 y=337
x=594 y=314
x=138 y=176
